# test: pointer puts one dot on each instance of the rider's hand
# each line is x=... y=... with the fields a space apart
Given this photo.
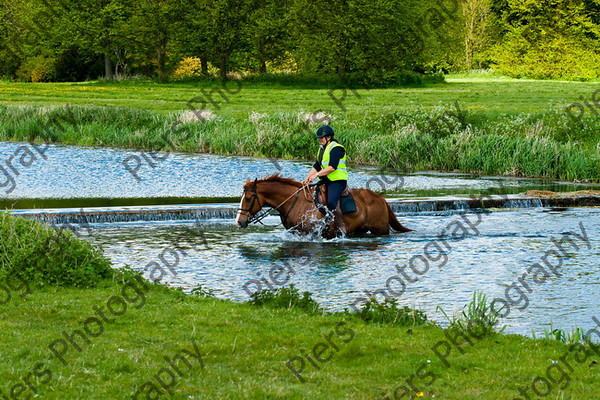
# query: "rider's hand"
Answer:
x=309 y=179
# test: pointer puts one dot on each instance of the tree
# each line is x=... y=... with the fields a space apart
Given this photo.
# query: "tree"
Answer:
x=151 y=30
x=192 y=31
x=227 y=19
x=373 y=38
x=266 y=31
x=554 y=39
x=476 y=15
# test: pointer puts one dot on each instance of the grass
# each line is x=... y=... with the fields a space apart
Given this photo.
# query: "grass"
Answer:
x=491 y=94
x=117 y=336
x=245 y=348
x=477 y=125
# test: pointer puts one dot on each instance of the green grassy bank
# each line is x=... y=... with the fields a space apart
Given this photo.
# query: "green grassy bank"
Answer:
x=493 y=126
x=130 y=331
x=244 y=351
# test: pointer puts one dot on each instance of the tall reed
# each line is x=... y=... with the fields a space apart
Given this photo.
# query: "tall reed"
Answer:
x=544 y=145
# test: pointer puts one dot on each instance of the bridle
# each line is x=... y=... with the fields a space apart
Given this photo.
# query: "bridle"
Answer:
x=252 y=218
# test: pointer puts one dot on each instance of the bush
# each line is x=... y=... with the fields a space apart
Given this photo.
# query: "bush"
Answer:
x=46 y=256
x=389 y=313
x=478 y=317
x=37 y=69
x=190 y=68
x=286 y=297
x=559 y=58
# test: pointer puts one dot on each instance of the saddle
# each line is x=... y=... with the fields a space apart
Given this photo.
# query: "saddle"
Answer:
x=347 y=203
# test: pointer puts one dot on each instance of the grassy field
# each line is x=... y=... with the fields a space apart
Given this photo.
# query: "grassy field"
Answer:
x=244 y=350
x=486 y=126
x=494 y=95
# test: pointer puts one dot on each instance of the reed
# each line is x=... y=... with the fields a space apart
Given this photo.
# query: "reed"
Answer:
x=544 y=144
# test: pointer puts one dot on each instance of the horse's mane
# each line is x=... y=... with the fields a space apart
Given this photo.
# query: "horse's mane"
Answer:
x=275 y=178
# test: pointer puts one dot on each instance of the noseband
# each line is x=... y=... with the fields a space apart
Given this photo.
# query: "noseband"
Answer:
x=254 y=200
x=252 y=218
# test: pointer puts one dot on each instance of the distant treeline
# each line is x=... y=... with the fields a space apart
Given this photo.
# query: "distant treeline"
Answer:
x=367 y=41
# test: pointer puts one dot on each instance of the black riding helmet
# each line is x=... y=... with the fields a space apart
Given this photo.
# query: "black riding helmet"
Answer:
x=324 y=131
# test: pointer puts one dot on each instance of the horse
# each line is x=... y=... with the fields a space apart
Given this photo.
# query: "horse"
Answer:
x=298 y=212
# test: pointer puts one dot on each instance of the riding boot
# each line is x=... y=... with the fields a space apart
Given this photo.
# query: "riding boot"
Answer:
x=325 y=229
x=339 y=222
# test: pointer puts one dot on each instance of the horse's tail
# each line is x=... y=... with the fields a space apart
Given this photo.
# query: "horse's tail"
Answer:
x=394 y=223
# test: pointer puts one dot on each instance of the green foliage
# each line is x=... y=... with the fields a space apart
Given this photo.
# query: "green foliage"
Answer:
x=388 y=312
x=546 y=144
x=201 y=291
x=46 y=256
x=286 y=297
x=376 y=40
x=577 y=335
x=558 y=39
x=478 y=318
x=37 y=69
x=372 y=42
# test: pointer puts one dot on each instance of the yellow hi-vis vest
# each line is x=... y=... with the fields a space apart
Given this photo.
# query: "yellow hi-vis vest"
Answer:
x=341 y=173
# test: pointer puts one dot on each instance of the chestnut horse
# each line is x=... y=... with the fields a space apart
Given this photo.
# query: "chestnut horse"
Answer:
x=299 y=213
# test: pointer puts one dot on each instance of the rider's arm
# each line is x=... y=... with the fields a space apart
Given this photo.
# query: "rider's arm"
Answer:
x=326 y=171
x=311 y=175
x=335 y=156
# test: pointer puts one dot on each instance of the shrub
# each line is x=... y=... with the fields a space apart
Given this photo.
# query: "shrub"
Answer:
x=286 y=297
x=389 y=313
x=46 y=256
x=191 y=67
x=478 y=318
x=37 y=69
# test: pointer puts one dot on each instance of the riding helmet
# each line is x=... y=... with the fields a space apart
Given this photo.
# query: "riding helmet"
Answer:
x=324 y=130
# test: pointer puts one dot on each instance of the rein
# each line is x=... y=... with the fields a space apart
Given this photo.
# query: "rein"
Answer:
x=259 y=217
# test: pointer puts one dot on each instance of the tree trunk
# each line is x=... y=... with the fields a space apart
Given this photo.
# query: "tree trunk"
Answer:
x=263 y=67
x=341 y=72
x=223 y=66
x=108 y=74
x=204 y=64
x=469 y=53
x=160 y=58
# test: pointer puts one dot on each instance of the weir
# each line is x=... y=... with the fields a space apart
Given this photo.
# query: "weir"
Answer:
x=229 y=210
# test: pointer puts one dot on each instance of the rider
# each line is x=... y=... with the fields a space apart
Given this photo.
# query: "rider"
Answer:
x=330 y=168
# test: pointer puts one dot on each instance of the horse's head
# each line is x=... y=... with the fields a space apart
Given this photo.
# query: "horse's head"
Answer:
x=250 y=204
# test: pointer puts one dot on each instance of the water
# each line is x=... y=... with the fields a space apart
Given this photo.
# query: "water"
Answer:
x=336 y=272
x=74 y=176
x=339 y=271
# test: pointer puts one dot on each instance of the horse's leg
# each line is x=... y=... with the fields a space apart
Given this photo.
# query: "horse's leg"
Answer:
x=372 y=213
x=379 y=218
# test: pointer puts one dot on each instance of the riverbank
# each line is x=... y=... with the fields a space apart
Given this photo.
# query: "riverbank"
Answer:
x=244 y=350
x=474 y=127
x=72 y=329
